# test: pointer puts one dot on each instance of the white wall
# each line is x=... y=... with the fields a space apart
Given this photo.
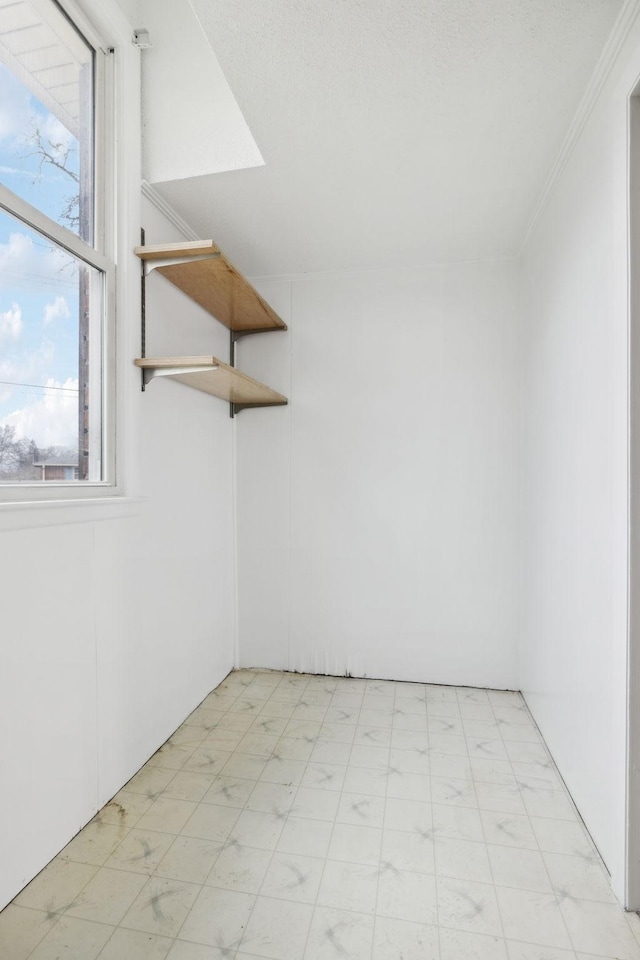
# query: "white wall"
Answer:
x=184 y=135
x=114 y=629
x=377 y=515
x=573 y=646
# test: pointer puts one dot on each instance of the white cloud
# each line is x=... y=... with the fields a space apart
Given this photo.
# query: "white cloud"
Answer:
x=33 y=366
x=11 y=324
x=19 y=120
x=36 y=266
x=56 y=133
x=58 y=310
x=30 y=367
x=15 y=111
x=51 y=420
x=15 y=172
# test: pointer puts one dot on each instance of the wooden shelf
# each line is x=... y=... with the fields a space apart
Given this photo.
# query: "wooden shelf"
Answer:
x=215 y=377
x=201 y=270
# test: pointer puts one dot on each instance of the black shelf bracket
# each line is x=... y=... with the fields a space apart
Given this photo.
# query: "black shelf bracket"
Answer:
x=143 y=313
x=234 y=336
x=237 y=407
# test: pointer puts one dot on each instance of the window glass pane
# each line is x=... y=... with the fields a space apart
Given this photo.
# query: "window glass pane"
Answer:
x=51 y=308
x=46 y=112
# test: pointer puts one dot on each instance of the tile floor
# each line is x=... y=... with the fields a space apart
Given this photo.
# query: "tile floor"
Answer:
x=312 y=818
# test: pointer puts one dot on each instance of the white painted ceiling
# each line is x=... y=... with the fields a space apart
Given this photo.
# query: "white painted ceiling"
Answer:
x=393 y=131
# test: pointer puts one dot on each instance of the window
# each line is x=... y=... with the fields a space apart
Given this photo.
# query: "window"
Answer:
x=55 y=277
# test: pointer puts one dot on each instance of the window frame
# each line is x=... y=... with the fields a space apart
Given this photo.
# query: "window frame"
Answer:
x=101 y=256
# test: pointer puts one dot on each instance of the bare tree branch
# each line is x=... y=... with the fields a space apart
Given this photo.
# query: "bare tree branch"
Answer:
x=56 y=155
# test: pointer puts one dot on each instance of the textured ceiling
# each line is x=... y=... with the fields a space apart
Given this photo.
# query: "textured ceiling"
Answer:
x=393 y=131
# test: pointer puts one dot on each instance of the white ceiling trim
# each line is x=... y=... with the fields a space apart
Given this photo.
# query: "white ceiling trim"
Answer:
x=395 y=268
x=623 y=25
x=171 y=214
x=168 y=211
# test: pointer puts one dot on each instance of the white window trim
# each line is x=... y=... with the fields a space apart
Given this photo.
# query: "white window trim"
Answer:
x=105 y=26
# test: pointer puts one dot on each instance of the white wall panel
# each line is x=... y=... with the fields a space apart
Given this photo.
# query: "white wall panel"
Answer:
x=573 y=644
x=263 y=491
x=113 y=631
x=47 y=697
x=171 y=637
x=400 y=447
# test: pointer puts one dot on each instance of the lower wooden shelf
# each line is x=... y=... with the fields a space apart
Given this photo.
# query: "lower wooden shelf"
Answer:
x=214 y=377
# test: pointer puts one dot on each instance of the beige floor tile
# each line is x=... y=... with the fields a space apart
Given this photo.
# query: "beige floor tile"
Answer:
x=294 y=817
x=256 y=829
x=407 y=851
x=141 y=851
x=161 y=906
x=167 y=815
x=317 y=804
x=339 y=934
x=600 y=928
x=277 y=929
x=304 y=837
x=457 y=945
x=523 y=869
x=108 y=896
x=532 y=917
x=190 y=859
x=134 y=945
x=57 y=886
x=240 y=868
x=401 y=938
x=404 y=895
x=187 y=785
x=150 y=781
x=349 y=886
x=276 y=798
x=125 y=809
x=218 y=918
x=462 y=860
x=358 y=809
x=22 y=929
x=527 y=951
x=229 y=792
x=172 y=756
x=211 y=822
x=467 y=906
x=73 y=939
x=181 y=950
x=578 y=878
x=291 y=877
x=95 y=843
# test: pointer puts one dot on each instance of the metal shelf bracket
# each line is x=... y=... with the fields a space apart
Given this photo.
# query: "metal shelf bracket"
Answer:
x=149 y=265
x=149 y=373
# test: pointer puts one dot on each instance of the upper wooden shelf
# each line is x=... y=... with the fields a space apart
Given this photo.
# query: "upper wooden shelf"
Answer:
x=201 y=270
x=215 y=377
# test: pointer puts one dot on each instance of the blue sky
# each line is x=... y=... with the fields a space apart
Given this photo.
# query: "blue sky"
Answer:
x=38 y=282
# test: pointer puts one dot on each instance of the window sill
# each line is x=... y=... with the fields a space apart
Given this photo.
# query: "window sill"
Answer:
x=29 y=514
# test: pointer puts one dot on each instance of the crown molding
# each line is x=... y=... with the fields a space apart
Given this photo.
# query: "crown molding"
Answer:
x=409 y=266
x=621 y=29
x=165 y=208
